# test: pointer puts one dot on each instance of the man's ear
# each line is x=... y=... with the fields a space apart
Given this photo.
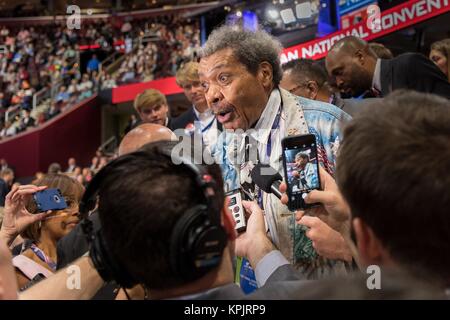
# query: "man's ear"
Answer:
x=359 y=54
x=265 y=74
x=313 y=89
x=228 y=221
x=370 y=249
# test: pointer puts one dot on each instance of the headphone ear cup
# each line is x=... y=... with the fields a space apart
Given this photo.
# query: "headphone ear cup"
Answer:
x=196 y=244
x=106 y=265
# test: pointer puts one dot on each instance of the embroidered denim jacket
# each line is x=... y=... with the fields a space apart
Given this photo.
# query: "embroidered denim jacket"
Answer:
x=301 y=116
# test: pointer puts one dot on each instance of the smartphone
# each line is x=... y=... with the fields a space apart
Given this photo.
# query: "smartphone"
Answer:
x=49 y=199
x=237 y=209
x=301 y=169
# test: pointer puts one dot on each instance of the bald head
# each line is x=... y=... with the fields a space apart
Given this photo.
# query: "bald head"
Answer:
x=351 y=64
x=350 y=45
x=143 y=134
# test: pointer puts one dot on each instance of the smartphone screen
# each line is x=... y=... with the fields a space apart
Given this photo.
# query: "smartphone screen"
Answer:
x=301 y=169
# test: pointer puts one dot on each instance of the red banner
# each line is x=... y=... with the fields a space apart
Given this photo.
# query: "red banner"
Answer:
x=391 y=20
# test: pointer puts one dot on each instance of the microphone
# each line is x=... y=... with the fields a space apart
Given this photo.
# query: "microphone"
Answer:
x=267 y=178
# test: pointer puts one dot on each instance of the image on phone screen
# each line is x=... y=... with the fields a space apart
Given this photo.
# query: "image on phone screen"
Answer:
x=301 y=169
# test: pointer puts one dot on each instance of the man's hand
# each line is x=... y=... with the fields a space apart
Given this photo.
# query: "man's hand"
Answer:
x=327 y=242
x=334 y=210
x=253 y=244
x=16 y=217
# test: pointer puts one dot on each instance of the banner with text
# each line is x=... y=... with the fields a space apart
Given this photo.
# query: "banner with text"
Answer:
x=376 y=24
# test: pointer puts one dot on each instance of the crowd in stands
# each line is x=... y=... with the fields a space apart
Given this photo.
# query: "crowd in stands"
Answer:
x=47 y=57
x=165 y=45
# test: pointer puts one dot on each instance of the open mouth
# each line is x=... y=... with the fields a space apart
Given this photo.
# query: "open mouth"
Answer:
x=225 y=114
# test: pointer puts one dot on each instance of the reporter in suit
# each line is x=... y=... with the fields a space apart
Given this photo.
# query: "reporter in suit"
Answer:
x=359 y=73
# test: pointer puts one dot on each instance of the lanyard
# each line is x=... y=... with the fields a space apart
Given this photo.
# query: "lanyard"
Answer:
x=41 y=255
x=209 y=124
x=275 y=125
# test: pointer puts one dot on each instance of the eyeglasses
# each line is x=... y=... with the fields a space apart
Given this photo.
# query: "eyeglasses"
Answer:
x=303 y=85
x=295 y=88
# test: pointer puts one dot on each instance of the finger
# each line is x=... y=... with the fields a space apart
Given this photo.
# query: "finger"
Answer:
x=27 y=191
x=325 y=177
x=309 y=221
x=31 y=187
x=27 y=186
x=299 y=214
x=325 y=197
x=41 y=216
x=10 y=195
x=251 y=207
x=283 y=187
x=284 y=199
x=309 y=233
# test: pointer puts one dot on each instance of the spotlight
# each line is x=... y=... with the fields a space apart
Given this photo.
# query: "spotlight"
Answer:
x=273 y=13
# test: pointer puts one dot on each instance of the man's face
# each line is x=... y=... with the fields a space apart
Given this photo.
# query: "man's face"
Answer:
x=290 y=84
x=71 y=162
x=195 y=94
x=348 y=73
x=440 y=60
x=301 y=162
x=9 y=178
x=235 y=95
x=154 y=114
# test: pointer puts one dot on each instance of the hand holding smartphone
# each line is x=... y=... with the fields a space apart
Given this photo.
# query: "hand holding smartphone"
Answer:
x=301 y=169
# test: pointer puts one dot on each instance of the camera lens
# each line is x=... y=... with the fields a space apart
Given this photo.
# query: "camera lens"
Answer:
x=56 y=198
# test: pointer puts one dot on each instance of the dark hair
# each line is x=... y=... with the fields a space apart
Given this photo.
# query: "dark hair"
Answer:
x=250 y=48
x=71 y=190
x=5 y=172
x=302 y=155
x=139 y=205
x=54 y=168
x=306 y=69
x=393 y=170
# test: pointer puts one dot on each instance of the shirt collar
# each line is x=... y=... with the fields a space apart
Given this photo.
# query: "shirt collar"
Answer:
x=204 y=115
x=376 y=81
x=265 y=122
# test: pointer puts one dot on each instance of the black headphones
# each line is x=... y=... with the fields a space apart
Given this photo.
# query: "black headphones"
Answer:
x=197 y=240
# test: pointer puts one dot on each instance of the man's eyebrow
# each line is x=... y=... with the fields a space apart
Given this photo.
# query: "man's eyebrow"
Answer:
x=337 y=69
x=221 y=65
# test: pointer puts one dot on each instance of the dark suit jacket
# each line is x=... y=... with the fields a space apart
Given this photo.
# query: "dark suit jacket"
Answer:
x=286 y=284
x=73 y=246
x=413 y=71
x=183 y=119
x=30 y=123
x=4 y=189
x=273 y=289
x=188 y=117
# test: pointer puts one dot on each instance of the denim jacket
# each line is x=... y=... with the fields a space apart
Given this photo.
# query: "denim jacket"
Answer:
x=299 y=116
